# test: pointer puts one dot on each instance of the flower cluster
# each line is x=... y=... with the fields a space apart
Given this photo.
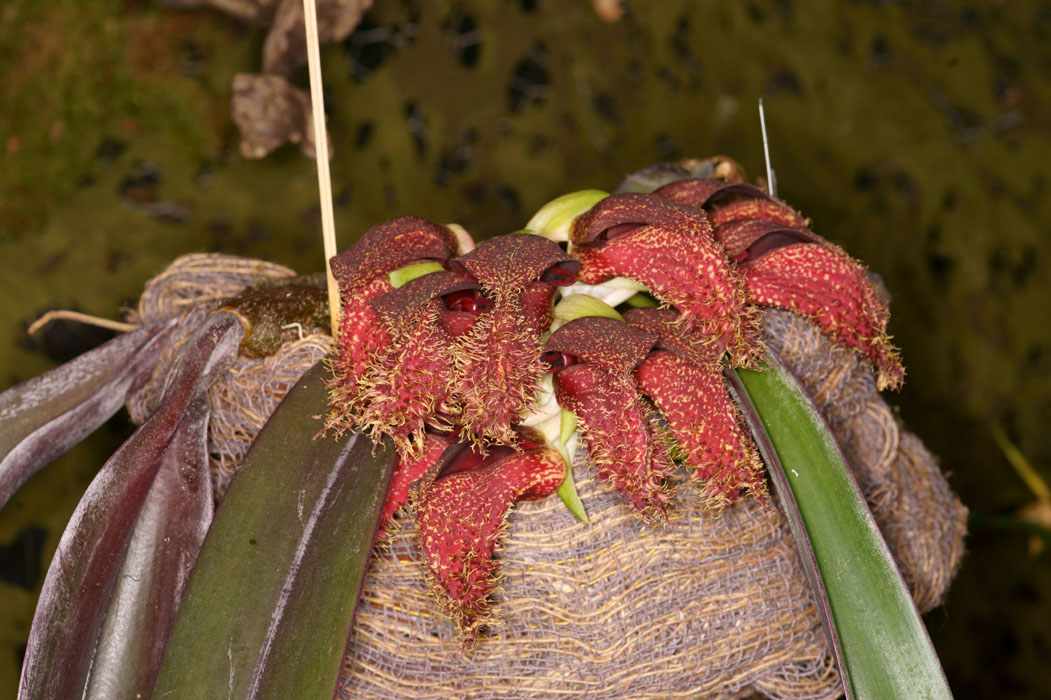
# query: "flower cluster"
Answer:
x=612 y=317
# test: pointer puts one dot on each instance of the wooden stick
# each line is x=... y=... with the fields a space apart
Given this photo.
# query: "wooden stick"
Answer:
x=81 y=318
x=317 y=103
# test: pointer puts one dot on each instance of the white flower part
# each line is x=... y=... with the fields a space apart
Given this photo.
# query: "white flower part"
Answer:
x=613 y=291
x=544 y=407
x=551 y=429
x=464 y=241
x=569 y=450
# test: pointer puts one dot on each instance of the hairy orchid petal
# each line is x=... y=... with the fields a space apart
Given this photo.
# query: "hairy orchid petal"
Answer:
x=505 y=264
x=834 y=291
x=388 y=246
x=621 y=440
x=408 y=471
x=404 y=384
x=598 y=387
x=669 y=248
x=361 y=335
x=751 y=202
x=745 y=239
x=757 y=208
x=620 y=213
x=538 y=304
x=498 y=367
x=606 y=343
x=498 y=372
x=361 y=273
x=708 y=428
x=463 y=516
x=674 y=337
x=398 y=307
x=706 y=192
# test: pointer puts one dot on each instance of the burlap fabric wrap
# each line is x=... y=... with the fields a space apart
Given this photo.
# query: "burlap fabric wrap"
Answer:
x=711 y=605
x=245 y=397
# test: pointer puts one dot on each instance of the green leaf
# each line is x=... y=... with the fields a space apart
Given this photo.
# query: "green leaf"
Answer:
x=112 y=589
x=885 y=647
x=269 y=607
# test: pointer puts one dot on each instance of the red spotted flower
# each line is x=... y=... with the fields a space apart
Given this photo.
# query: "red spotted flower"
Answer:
x=612 y=317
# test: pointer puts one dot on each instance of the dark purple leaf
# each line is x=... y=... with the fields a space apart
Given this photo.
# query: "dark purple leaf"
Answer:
x=43 y=417
x=143 y=516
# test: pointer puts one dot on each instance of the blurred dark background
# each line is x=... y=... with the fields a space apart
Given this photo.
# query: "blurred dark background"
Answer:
x=915 y=134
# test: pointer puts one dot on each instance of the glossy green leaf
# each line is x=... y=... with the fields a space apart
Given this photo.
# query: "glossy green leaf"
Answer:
x=270 y=603
x=111 y=592
x=44 y=416
x=885 y=647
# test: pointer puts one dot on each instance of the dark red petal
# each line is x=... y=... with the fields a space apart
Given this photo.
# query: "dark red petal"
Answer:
x=674 y=336
x=399 y=307
x=406 y=383
x=629 y=209
x=620 y=438
x=456 y=323
x=686 y=269
x=537 y=303
x=606 y=343
x=407 y=472
x=706 y=192
x=598 y=387
x=505 y=264
x=361 y=335
x=498 y=367
x=498 y=371
x=745 y=239
x=707 y=425
x=371 y=319
x=463 y=516
x=388 y=246
x=835 y=292
x=764 y=208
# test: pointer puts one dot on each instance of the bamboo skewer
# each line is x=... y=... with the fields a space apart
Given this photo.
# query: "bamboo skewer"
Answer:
x=317 y=103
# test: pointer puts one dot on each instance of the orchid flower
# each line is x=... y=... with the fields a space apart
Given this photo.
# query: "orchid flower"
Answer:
x=482 y=364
